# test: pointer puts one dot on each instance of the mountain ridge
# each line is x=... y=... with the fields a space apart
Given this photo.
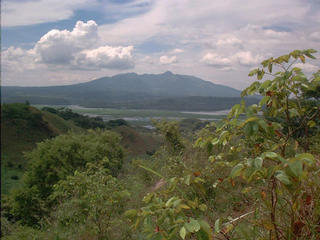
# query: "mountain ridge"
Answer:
x=128 y=90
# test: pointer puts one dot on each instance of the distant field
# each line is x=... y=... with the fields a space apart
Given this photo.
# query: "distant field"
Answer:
x=138 y=116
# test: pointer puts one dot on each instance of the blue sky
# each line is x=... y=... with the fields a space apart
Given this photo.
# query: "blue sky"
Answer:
x=54 y=42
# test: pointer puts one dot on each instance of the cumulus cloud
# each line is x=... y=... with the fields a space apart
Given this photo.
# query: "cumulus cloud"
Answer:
x=106 y=57
x=18 y=59
x=60 y=47
x=247 y=58
x=215 y=60
x=242 y=58
x=165 y=60
x=78 y=48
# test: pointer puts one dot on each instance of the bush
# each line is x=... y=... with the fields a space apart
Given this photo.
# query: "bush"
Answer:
x=57 y=158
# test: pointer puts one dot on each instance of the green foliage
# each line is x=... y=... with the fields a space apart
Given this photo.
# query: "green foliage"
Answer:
x=18 y=111
x=84 y=121
x=273 y=161
x=170 y=131
x=54 y=160
x=80 y=120
x=272 y=169
x=90 y=202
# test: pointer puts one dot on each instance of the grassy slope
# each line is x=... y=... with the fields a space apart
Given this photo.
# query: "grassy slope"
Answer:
x=18 y=136
x=138 y=141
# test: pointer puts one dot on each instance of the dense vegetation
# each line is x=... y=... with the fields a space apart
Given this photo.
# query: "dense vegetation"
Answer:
x=22 y=126
x=252 y=178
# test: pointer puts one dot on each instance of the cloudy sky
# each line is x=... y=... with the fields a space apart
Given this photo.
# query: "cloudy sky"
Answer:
x=54 y=42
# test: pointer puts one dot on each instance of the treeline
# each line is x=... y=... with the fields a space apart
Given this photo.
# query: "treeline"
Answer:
x=83 y=121
x=175 y=103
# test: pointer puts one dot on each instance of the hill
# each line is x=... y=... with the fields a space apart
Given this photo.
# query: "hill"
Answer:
x=146 y=91
x=23 y=126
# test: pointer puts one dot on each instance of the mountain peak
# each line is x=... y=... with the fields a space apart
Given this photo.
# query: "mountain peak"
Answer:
x=167 y=73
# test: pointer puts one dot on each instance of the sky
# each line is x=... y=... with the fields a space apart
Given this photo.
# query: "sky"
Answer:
x=54 y=42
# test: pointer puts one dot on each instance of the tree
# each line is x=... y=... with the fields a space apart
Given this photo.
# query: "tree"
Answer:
x=55 y=159
x=90 y=204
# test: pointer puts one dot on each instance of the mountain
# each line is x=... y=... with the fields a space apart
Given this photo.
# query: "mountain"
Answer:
x=128 y=90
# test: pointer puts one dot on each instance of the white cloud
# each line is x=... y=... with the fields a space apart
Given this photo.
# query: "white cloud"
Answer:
x=242 y=58
x=18 y=60
x=106 y=57
x=63 y=51
x=19 y=13
x=80 y=48
x=60 y=47
x=229 y=41
x=315 y=36
x=247 y=58
x=215 y=60
x=177 y=50
x=307 y=67
x=165 y=60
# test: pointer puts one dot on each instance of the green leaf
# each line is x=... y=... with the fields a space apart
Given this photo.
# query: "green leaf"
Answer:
x=253 y=72
x=192 y=226
x=257 y=163
x=183 y=233
x=203 y=207
x=215 y=141
x=312 y=124
x=265 y=84
x=271 y=155
x=306 y=157
x=202 y=235
x=217 y=225
x=152 y=171
x=170 y=201
x=310 y=56
x=248 y=130
x=270 y=67
x=282 y=177
x=205 y=226
x=302 y=58
x=187 y=180
x=260 y=74
x=131 y=213
x=264 y=100
x=236 y=171
x=296 y=167
x=148 y=198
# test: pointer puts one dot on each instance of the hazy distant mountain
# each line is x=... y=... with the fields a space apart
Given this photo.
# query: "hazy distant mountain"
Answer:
x=126 y=90
x=166 y=84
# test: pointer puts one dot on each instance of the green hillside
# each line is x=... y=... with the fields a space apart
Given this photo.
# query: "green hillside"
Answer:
x=22 y=127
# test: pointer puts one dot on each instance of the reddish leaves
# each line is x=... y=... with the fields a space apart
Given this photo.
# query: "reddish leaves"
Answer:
x=297 y=228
